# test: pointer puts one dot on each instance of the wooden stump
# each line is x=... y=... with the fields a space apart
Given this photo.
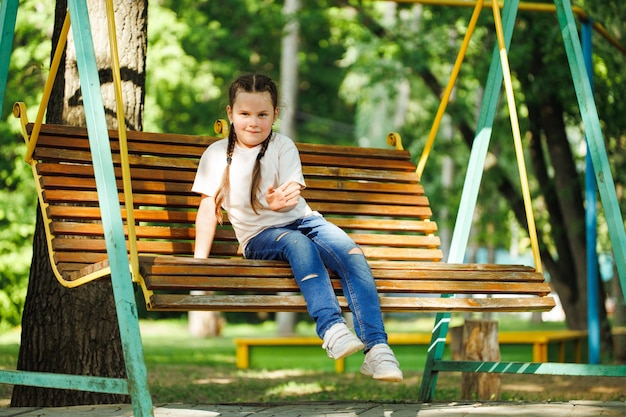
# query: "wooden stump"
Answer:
x=477 y=340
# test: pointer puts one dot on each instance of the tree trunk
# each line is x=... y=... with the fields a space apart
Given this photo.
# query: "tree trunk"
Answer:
x=204 y=324
x=75 y=331
x=72 y=331
x=477 y=340
x=286 y=321
x=289 y=68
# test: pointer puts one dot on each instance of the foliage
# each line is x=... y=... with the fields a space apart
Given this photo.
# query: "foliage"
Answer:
x=197 y=48
x=17 y=190
x=17 y=198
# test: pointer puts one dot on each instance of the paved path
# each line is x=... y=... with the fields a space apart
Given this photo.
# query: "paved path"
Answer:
x=329 y=409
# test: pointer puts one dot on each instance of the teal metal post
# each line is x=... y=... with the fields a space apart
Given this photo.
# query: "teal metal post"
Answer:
x=8 y=15
x=469 y=196
x=110 y=209
x=597 y=150
x=591 y=222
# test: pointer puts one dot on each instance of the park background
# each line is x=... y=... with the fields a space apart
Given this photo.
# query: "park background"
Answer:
x=358 y=71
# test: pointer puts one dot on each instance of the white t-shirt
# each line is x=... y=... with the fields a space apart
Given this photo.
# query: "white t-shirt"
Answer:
x=280 y=164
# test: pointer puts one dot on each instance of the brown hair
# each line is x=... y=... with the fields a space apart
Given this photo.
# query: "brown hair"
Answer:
x=249 y=83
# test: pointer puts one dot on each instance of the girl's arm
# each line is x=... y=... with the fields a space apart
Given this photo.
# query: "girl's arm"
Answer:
x=206 y=223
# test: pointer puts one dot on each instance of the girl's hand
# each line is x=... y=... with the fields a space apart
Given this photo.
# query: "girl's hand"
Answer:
x=285 y=197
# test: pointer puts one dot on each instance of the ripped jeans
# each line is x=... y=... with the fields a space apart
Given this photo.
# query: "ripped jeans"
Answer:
x=310 y=245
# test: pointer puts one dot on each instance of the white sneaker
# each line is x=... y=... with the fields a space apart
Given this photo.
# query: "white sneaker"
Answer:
x=339 y=341
x=380 y=363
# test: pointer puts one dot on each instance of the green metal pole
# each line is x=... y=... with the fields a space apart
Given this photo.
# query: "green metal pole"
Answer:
x=8 y=15
x=469 y=196
x=110 y=209
x=595 y=141
x=535 y=368
x=65 y=381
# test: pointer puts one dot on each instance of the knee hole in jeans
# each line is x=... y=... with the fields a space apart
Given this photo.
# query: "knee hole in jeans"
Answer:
x=282 y=235
x=356 y=251
x=308 y=277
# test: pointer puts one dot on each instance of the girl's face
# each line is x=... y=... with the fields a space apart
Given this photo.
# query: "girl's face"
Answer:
x=252 y=116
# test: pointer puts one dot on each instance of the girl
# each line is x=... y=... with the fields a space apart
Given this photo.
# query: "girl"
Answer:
x=256 y=176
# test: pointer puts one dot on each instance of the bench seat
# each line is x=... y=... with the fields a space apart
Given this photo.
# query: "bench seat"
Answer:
x=250 y=285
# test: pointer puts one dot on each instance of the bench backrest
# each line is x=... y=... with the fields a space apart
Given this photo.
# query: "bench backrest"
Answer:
x=374 y=194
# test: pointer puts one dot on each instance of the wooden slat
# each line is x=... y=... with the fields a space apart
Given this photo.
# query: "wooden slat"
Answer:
x=170 y=232
x=340 y=161
x=348 y=197
x=91 y=197
x=141 y=215
x=83 y=170
x=172 y=217
x=387 y=187
x=371 y=210
x=237 y=283
x=165 y=247
x=88 y=183
x=359 y=174
x=74 y=254
x=439 y=270
x=294 y=303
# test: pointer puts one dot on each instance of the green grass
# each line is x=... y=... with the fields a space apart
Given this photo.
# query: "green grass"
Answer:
x=187 y=370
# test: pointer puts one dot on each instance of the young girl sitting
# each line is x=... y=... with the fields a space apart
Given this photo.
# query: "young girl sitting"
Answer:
x=256 y=176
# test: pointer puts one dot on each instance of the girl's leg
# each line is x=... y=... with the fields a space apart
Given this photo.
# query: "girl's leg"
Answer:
x=345 y=258
x=288 y=244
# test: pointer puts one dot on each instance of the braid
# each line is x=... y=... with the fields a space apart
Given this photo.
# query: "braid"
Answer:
x=256 y=175
x=225 y=185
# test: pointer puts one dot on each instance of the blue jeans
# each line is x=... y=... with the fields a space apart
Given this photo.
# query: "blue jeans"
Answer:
x=311 y=245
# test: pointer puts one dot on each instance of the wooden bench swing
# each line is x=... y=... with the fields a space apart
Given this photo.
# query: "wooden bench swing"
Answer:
x=374 y=194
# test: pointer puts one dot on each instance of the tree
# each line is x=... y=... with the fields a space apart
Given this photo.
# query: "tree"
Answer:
x=286 y=321
x=75 y=330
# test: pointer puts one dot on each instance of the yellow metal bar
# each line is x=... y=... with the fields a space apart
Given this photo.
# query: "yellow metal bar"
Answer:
x=221 y=128
x=448 y=91
x=517 y=138
x=121 y=127
x=31 y=141
x=394 y=139
x=19 y=111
